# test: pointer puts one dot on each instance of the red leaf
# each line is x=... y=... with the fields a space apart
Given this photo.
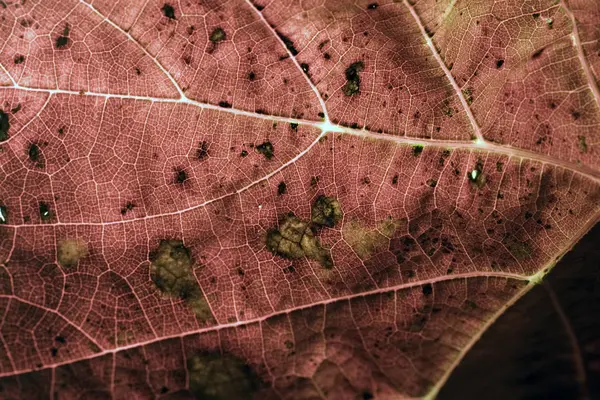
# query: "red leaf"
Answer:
x=282 y=199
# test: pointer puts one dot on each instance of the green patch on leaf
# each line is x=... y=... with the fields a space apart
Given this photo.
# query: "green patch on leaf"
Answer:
x=352 y=85
x=326 y=211
x=217 y=35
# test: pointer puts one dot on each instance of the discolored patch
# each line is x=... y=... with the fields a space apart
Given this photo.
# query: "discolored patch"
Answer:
x=326 y=211
x=70 y=251
x=202 y=150
x=180 y=176
x=168 y=11
x=19 y=59
x=217 y=35
x=45 y=213
x=352 y=85
x=476 y=175
x=365 y=241
x=417 y=149
x=266 y=149
x=34 y=152
x=63 y=40
x=4 y=126
x=215 y=376
x=3 y=214
x=582 y=144
x=288 y=43
x=296 y=239
x=171 y=271
x=281 y=188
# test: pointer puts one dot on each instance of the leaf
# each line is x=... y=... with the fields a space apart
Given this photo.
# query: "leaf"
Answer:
x=282 y=199
x=549 y=339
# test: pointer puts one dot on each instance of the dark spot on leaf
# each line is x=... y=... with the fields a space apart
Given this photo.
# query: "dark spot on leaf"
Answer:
x=251 y=76
x=326 y=211
x=304 y=67
x=499 y=166
x=168 y=11
x=326 y=56
x=217 y=35
x=217 y=376
x=321 y=115
x=582 y=144
x=45 y=212
x=476 y=175
x=128 y=207
x=295 y=239
x=575 y=114
x=19 y=59
x=202 y=150
x=367 y=395
x=164 y=390
x=431 y=182
x=499 y=63
x=180 y=175
x=352 y=85
x=294 y=126
x=244 y=153
x=417 y=149
x=63 y=40
x=372 y=6
x=54 y=351
x=314 y=180
x=60 y=339
x=288 y=43
x=281 y=188
x=3 y=214
x=224 y=104
x=4 y=126
x=34 y=152
x=395 y=180
x=266 y=149
x=171 y=271
x=537 y=53
x=535 y=15
x=427 y=289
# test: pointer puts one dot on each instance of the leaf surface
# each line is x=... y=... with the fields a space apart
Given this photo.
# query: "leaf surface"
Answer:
x=236 y=199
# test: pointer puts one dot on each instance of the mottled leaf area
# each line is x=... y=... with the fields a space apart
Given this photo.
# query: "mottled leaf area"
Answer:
x=294 y=199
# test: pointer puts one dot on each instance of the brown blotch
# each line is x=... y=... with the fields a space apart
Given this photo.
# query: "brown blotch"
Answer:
x=70 y=251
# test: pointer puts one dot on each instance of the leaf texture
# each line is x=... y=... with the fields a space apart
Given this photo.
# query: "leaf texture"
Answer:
x=284 y=199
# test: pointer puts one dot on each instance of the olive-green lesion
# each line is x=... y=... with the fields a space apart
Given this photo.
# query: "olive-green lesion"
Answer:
x=326 y=211
x=352 y=85
x=295 y=239
x=215 y=376
x=71 y=251
x=171 y=272
x=367 y=241
x=217 y=35
x=582 y=144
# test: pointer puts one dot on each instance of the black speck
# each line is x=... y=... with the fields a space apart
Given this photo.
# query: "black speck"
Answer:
x=34 y=152
x=63 y=40
x=251 y=76
x=417 y=150
x=367 y=395
x=537 y=53
x=499 y=63
x=45 y=212
x=168 y=11
x=224 y=104
x=244 y=153
x=128 y=207
x=4 y=126
x=164 y=390
x=326 y=56
x=60 y=339
x=321 y=115
x=427 y=289
x=202 y=150
x=395 y=180
x=304 y=67
x=535 y=15
x=266 y=149
x=294 y=126
x=575 y=114
x=19 y=59
x=180 y=175
x=54 y=351
x=288 y=43
x=281 y=188
x=372 y=6
x=352 y=85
